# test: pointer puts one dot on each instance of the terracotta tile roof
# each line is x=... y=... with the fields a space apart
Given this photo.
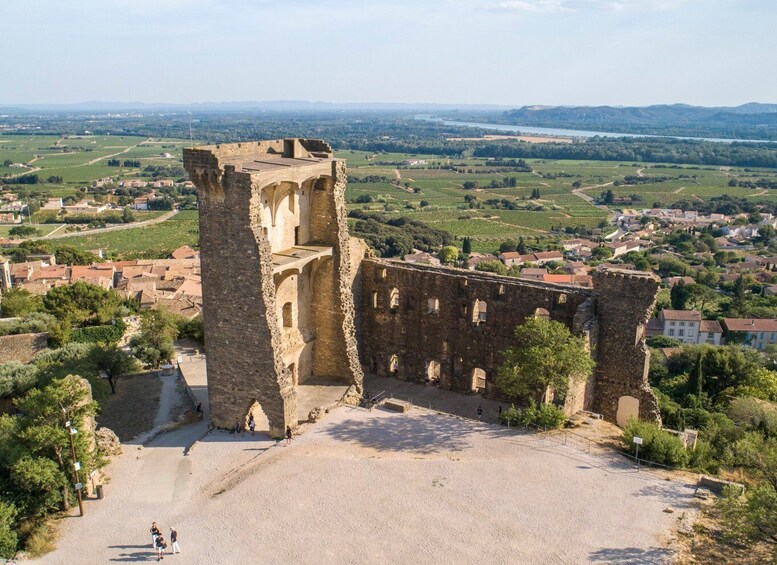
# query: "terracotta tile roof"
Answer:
x=750 y=324
x=682 y=315
x=710 y=326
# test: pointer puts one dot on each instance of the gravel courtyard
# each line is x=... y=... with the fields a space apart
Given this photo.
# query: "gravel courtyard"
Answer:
x=376 y=487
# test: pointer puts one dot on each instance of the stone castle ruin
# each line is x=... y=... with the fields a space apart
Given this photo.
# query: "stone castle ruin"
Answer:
x=289 y=299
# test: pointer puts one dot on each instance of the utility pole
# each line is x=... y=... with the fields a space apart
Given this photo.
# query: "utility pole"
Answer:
x=76 y=465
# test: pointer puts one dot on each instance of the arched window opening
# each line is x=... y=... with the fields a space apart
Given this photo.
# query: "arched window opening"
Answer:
x=394 y=365
x=394 y=298
x=374 y=299
x=479 y=312
x=433 y=372
x=433 y=306
x=542 y=313
x=478 y=380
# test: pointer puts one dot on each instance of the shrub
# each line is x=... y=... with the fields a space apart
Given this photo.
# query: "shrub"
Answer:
x=8 y=538
x=510 y=417
x=657 y=446
x=663 y=341
x=753 y=414
x=17 y=378
x=546 y=416
x=99 y=334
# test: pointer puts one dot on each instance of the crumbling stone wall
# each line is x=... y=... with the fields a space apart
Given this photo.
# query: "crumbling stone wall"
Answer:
x=22 y=347
x=403 y=340
x=625 y=302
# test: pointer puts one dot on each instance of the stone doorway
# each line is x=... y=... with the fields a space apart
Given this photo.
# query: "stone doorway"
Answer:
x=478 y=380
x=433 y=372
x=628 y=407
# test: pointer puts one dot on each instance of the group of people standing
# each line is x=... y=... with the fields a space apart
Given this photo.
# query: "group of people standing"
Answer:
x=159 y=544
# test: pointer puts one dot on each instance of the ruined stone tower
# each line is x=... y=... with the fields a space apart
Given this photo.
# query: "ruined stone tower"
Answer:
x=276 y=274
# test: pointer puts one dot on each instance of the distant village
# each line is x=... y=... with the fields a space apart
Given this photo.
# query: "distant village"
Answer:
x=734 y=248
x=172 y=284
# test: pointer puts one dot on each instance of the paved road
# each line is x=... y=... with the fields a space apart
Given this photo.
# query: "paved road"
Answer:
x=160 y=219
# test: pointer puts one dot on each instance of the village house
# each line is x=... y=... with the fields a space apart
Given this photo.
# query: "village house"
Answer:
x=513 y=258
x=686 y=326
x=84 y=207
x=476 y=259
x=10 y=218
x=53 y=204
x=421 y=257
x=754 y=332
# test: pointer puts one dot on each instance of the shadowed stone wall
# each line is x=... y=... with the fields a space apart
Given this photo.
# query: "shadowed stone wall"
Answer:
x=433 y=320
x=436 y=320
x=22 y=347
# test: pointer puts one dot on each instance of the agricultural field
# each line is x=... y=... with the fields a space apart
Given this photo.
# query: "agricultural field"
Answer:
x=404 y=188
x=156 y=240
x=81 y=159
x=502 y=206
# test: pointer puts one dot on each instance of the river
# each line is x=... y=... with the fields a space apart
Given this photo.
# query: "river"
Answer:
x=558 y=132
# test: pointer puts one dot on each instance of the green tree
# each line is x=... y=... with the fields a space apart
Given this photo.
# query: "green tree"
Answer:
x=448 y=254
x=679 y=295
x=23 y=231
x=739 y=292
x=752 y=517
x=153 y=345
x=601 y=253
x=81 y=301
x=494 y=266
x=69 y=255
x=545 y=355
x=43 y=427
x=466 y=246
x=521 y=248
x=113 y=363
x=8 y=537
x=18 y=302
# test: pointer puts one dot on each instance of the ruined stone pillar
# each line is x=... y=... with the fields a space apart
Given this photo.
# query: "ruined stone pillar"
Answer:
x=625 y=302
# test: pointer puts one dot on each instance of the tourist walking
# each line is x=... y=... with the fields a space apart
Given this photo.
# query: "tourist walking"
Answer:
x=154 y=533
x=251 y=424
x=480 y=412
x=238 y=427
x=289 y=435
x=160 y=547
x=174 y=541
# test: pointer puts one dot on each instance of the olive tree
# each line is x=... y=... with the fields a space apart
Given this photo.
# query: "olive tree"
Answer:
x=545 y=355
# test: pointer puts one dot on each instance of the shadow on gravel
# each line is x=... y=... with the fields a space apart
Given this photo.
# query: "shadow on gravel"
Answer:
x=419 y=434
x=669 y=492
x=632 y=556
x=147 y=555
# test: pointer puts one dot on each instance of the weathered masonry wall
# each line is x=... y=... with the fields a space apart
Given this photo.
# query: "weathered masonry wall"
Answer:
x=276 y=275
x=451 y=324
x=22 y=347
x=424 y=323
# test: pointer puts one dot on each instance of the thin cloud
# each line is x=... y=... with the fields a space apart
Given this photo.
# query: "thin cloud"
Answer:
x=566 y=6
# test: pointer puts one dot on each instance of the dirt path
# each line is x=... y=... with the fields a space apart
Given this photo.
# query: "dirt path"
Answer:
x=580 y=193
x=151 y=222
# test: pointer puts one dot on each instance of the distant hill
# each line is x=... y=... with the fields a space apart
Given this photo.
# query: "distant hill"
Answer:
x=752 y=121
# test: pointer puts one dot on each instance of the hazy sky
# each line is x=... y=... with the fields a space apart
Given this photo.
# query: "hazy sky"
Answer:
x=514 y=52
